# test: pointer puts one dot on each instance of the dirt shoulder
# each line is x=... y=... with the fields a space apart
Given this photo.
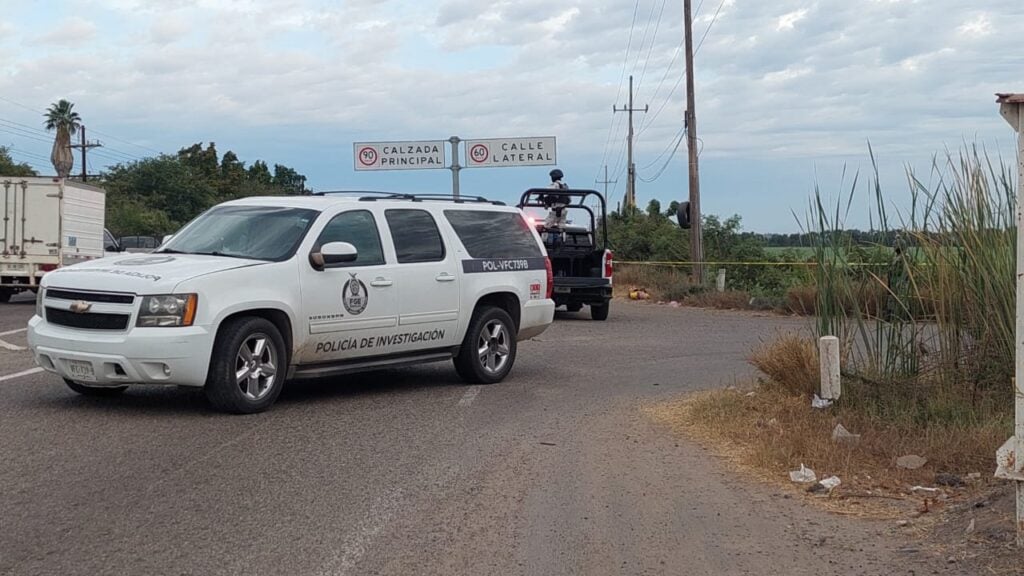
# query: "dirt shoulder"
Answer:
x=944 y=517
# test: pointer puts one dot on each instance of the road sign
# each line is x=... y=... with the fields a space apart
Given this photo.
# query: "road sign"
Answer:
x=506 y=152
x=408 y=155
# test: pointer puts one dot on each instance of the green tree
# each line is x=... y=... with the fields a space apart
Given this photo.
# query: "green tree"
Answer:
x=62 y=118
x=288 y=180
x=653 y=208
x=8 y=167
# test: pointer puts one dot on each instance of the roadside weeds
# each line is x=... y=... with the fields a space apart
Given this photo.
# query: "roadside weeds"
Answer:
x=950 y=505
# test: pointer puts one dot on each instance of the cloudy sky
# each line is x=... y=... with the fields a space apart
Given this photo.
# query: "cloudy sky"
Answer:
x=788 y=91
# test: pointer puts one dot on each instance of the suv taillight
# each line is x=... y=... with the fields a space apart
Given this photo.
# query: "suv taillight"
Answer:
x=608 y=264
x=551 y=279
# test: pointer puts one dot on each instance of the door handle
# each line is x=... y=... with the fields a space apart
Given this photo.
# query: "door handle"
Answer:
x=445 y=277
x=381 y=283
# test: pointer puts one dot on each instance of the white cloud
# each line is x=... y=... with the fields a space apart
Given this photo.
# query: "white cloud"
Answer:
x=168 y=29
x=840 y=74
x=71 y=32
x=977 y=27
x=789 y=21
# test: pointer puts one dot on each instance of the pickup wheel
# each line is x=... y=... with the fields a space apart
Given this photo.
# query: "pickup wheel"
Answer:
x=246 y=370
x=98 y=391
x=5 y=295
x=600 y=312
x=489 y=348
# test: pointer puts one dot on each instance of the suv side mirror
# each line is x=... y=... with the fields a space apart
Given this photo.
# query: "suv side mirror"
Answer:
x=333 y=254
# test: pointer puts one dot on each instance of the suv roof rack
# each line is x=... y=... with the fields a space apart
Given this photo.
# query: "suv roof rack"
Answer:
x=434 y=197
x=373 y=196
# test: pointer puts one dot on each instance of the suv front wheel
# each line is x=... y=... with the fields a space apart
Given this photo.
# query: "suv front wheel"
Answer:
x=489 y=348
x=247 y=369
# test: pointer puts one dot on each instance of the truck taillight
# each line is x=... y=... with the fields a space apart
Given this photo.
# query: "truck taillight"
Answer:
x=551 y=279
x=608 y=264
x=47 y=267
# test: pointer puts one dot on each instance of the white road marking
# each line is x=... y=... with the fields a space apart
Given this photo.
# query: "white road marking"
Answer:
x=21 y=374
x=355 y=545
x=468 y=397
x=8 y=346
x=9 y=332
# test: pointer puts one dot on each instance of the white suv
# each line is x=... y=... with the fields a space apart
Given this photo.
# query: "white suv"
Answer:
x=257 y=291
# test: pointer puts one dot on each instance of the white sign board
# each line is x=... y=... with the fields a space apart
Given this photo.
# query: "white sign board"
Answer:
x=503 y=152
x=409 y=155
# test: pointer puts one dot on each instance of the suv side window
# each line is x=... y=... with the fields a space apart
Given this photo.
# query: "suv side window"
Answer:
x=488 y=234
x=415 y=235
x=359 y=229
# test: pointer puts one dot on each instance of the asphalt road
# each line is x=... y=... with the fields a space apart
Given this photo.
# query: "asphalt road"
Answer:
x=554 y=472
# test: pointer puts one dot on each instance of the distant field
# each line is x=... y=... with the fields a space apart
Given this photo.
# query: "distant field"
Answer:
x=802 y=251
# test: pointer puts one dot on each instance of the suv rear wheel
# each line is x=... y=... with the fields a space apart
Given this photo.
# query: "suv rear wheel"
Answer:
x=489 y=348
x=247 y=368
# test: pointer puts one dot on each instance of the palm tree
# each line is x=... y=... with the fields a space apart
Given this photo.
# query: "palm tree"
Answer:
x=62 y=118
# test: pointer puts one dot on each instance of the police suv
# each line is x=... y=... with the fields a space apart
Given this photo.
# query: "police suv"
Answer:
x=258 y=291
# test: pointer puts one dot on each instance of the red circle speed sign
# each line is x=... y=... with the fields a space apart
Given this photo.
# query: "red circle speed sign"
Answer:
x=367 y=156
x=479 y=153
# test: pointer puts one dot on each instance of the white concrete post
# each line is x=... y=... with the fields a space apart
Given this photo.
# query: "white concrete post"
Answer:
x=828 y=352
x=1011 y=106
x=720 y=281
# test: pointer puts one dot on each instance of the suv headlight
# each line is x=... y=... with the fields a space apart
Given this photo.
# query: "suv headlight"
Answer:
x=169 y=310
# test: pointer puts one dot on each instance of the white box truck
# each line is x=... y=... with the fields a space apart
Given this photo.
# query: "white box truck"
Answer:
x=48 y=223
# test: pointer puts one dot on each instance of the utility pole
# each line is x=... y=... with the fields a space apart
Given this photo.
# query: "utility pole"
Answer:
x=85 y=145
x=696 y=239
x=606 y=181
x=631 y=178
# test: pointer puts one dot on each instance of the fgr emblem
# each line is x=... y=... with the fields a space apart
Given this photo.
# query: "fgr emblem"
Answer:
x=354 y=296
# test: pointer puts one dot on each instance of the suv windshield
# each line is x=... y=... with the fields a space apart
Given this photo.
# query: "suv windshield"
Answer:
x=256 y=232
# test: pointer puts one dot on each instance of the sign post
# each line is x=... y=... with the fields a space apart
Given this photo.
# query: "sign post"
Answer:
x=455 y=166
x=1010 y=464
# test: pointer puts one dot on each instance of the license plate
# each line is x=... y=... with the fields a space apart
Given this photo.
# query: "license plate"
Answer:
x=79 y=370
x=14 y=266
x=562 y=289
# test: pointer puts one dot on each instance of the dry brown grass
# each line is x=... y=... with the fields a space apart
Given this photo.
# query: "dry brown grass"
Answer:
x=774 y=430
x=728 y=300
x=800 y=299
x=790 y=362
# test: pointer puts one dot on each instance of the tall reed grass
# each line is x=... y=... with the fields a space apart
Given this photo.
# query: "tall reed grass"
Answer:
x=928 y=325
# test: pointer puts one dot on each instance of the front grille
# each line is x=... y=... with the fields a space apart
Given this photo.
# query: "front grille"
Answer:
x=105 y=298
x=88 y=321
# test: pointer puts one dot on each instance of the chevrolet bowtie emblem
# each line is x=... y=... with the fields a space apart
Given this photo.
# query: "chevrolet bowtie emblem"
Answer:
x=80 y=306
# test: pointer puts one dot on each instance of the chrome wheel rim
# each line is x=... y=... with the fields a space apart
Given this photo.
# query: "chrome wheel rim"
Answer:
x=494 y=347
x=256 y=366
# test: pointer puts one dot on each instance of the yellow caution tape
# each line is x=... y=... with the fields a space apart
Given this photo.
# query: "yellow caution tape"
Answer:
x=740 y=263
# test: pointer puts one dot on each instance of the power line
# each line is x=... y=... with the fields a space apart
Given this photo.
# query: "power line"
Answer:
x=112 y=137
x=37 y=133
x=671 y=143
x=622 y=77
x=23 y=134
x=668 y=160
x=643 y=39
x=650 y=48
x=710 y=24
x=27 y=154
x=679 y=81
